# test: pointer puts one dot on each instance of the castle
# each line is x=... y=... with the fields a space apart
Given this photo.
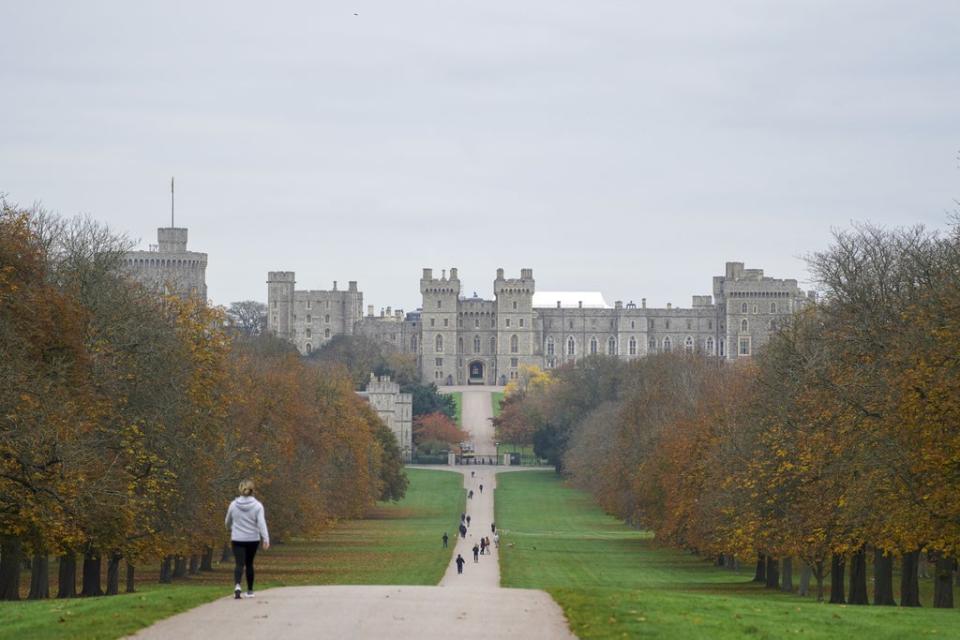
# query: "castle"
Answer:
x=468 y=340
x=167 y=266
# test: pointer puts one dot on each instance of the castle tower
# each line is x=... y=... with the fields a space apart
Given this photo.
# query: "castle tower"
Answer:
x=516 y=343
x=439 y=331
x=280 y=288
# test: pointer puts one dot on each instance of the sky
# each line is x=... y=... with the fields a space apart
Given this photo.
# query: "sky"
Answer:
x=630 y=147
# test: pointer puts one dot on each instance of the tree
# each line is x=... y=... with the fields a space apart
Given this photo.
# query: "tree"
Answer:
x=248 y=317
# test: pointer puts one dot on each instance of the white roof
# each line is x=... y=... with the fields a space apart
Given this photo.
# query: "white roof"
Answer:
x=569 y=299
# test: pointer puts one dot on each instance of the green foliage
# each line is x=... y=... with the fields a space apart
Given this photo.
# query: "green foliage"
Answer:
x=427 y=399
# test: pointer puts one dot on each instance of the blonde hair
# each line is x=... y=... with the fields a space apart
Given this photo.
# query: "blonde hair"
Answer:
x=246 y=487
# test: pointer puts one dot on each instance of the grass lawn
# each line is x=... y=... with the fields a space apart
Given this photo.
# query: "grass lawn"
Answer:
x=398 y=544
x=458 y=407
x=496 y=398
x=615 y=582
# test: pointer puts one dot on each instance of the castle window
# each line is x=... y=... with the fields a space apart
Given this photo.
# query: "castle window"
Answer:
x=439 y=304
x=723 y=348
x=326 y=318
x=743 y=307
x=513 y=362
x=326 y=305
x=446 y=322
x=744 y=326
x=688 y=345
x=433 y=322
x=493 y=322
x=593 y=346
x=650 y=324
x=709 y=324
x=308 y=333
x=745 y=346
x=493 y=345
x=309 y=318
x=612 y=346
x=514 y=344
x=571 y=346
x=633 y=325
x=508 y=322
x=632 y=346
x=710 y=345
x=514 y=304
x=550 y=347
x=689 y=324
x=439 y=362
x=459 y=345
x=521 y=322
x=667 y=344
x=308 y=304
x=326 y=333
x=773 y=307
x=476 y=323
x=652 y=345
x=666 y=324
x=309 y=348
x=755 y=309
x=439 y=344
x=476 y=344
x=413 y=344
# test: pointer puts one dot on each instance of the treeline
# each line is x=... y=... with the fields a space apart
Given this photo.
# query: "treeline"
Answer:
x=128 y=417
x=838 y=445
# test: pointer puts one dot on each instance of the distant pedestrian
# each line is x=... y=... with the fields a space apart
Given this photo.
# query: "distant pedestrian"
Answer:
x=463 y=531
x=463 y=517
x=481 y=488
x=496 y=540
x=444 y=539
x=470 y=495
x=460 y=562
x=483 y=546
x=473 y=473
x=468 y=521
x=248 y=529
x=476 y=552
x=493 y=527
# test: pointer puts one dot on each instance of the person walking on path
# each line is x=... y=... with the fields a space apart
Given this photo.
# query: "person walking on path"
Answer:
x=483 y=546
x=481 y=488
x=248 y=528
x=444 y=539
x=468 y=521
x=470 y=495
x=476 y=552
x=463 y=531
x=496 y=540
x=493 y=527
x=460 y=561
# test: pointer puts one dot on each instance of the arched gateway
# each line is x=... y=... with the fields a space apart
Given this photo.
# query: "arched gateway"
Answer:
x=476 y=373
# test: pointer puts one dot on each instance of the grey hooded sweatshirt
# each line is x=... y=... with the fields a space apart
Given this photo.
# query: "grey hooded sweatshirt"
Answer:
x=246 y=521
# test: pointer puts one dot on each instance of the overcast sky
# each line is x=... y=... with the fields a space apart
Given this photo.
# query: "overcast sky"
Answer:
x=630 y=147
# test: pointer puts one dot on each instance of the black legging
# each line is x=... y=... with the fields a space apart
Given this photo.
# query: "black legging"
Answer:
x=243 y=553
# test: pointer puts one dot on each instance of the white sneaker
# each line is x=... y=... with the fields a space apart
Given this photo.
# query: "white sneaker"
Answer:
x=236 y=592
x=249 y=594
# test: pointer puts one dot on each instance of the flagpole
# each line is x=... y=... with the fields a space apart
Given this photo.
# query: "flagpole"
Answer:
x=171 y=203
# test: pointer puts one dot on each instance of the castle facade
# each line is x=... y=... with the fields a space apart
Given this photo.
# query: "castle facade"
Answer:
x=168 y=266
x=468 y=340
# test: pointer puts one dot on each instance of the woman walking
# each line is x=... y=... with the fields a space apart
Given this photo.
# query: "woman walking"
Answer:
x=248 y=527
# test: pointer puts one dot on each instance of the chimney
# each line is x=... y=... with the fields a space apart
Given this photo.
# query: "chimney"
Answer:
x=669 y=306
x=428 y=274
x=580 y=304
x=370 y=310
x=643 y=303
x=334 y=285
x=500 y=274
x=389 y=311
x=453 y=273
x=558 y=304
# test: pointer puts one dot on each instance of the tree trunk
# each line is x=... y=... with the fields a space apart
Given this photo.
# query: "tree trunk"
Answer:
x=194 y=564
x=226 y=553
x=805 y=574
x=773 y=573
x=837 y=566
x=818 y=574
x=113 y=574
x=166 y=570
x=909 y=581
x=11 y=559
x=883 y=578
x=90 y=581
x=180 y=567
x=760 y=575
x=40 y=577
x=206 y=562
x=130 y=575
x=858 y=578
x=943 y=582
x=67 y=576
x=786 y=577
